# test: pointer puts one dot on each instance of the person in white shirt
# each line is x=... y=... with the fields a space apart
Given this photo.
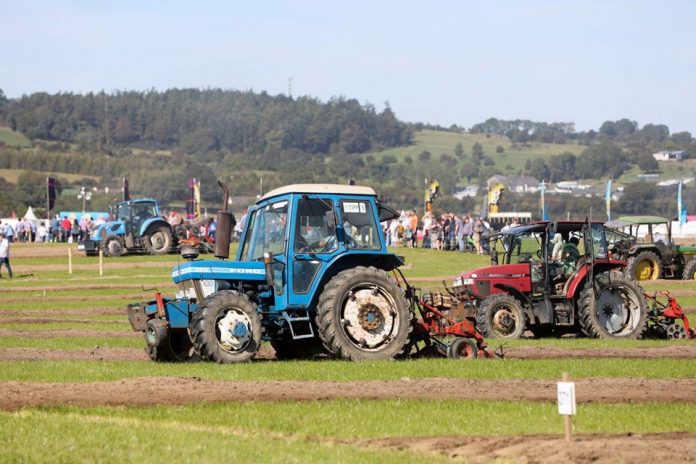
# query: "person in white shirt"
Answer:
x=5 y=254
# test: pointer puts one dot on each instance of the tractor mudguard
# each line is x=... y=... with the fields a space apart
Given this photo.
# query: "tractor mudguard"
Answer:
x=152 y=223
x=601 y=265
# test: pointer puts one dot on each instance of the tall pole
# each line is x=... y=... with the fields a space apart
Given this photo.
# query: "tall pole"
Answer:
x=48 y=204
x=106 y=121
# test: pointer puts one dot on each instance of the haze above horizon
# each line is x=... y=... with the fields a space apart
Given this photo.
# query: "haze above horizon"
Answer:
x=450 y=63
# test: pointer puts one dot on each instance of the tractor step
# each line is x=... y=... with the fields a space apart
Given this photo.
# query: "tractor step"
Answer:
x=300 y=325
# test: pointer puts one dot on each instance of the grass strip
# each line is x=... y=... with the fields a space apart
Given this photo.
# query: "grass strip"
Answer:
x=71 y=343
x=90 y=371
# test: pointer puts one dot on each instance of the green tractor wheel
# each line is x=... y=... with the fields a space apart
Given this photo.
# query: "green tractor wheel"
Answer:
x=644 y=266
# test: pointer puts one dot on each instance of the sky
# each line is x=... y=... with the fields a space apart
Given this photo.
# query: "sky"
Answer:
x=438 y=62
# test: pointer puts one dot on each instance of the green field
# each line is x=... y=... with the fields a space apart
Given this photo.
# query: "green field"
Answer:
x=12 y=138
x=277 y=431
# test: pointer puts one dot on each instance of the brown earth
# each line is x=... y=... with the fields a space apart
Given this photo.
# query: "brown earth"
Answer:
x=56 y=333
x=186 y=390
x=626 y=448
x=100 y=311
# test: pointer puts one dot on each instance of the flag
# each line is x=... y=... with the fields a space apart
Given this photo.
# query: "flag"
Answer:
x=542 y=201
x=196 y=200
x=51 y=188
x=189 y=200
x=607 y=199
x=126 y=190
x=681 y=209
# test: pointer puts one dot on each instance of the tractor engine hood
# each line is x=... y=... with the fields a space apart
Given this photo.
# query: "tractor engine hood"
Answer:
x=219 y=270
x=484 y=281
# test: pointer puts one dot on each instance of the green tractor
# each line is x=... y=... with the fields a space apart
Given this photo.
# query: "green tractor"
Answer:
x=654 y=255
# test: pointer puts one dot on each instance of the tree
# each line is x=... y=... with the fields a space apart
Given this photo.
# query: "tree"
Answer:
x=539 y=169
x=637 y=198
x=424 y=156
x=648 y=163
x=469 y=170
x=499 y=149
x=31 y=188
x=459 y=150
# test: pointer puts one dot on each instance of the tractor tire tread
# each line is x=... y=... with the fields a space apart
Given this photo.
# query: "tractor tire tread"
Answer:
x=483 y=318
x=327 y=323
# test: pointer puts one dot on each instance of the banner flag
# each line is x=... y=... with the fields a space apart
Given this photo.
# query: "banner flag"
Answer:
x=542 y=200
x=607 y=198
x=681 y=209
x=51 y=188
x=196 y=200
x=189 y=200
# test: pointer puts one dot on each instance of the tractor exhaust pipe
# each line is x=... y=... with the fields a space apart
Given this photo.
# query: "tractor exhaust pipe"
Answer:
x=225 y=223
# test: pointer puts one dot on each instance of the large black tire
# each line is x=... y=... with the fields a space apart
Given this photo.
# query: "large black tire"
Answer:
x=226 y=328
x=501 y=316
x=113 y=246
x=619 y=311
x=158 y=241
x=644 y=266
x=690 y=270
x=298 y=349
x=164 y=345
x=363 y=314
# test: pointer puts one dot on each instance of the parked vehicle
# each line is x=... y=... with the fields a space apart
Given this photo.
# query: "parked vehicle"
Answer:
x=135 y=226
x=654 y=255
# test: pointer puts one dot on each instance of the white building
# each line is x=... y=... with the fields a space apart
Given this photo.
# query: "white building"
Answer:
x=669 y=155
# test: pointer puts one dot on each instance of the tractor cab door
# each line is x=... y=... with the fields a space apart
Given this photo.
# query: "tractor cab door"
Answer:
x=313 y=242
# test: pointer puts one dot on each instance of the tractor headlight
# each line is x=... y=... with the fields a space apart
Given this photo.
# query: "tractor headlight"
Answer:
x=460 y=282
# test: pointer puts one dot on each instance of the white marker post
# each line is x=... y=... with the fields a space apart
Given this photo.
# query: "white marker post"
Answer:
x=566 y=403
x=69 y=260
x=101 y=262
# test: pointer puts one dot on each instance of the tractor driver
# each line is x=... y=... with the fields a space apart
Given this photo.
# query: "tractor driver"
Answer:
x=571 y=255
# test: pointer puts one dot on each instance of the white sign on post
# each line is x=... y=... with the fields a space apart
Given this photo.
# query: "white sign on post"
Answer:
x=566 y=398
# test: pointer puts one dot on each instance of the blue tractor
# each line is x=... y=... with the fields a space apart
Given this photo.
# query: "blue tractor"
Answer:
x=135 y=226
x=312 y=274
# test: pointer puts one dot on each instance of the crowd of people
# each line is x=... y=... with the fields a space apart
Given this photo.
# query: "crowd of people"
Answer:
x=445 y=232
x=56 y=230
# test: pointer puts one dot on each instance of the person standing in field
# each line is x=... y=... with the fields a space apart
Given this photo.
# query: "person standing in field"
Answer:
x=5 y=254
x=478 y=232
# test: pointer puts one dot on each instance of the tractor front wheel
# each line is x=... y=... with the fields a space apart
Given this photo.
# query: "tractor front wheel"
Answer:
x=500 y=316
x=226 y=328
x=158 y=241
x=363 y=314
x=644 y=266
x=616 y=309
x=113 y=246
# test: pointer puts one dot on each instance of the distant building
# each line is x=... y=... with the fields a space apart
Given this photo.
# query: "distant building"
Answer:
x=468 y=191
x=516 y=184
x=669 y=155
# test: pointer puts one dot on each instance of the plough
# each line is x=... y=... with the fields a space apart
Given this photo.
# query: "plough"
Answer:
x=664 y=315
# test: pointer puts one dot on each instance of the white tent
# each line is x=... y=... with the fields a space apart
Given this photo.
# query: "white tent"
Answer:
x=30 y=214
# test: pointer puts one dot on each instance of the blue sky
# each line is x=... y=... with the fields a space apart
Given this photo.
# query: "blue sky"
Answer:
x=443 y=62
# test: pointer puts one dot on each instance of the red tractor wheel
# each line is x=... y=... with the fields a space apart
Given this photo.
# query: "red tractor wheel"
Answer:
x=462 y=348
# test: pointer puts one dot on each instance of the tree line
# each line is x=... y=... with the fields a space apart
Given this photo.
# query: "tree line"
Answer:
x=203 y=121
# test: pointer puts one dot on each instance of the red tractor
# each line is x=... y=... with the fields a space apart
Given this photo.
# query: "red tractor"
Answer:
x=553 y=277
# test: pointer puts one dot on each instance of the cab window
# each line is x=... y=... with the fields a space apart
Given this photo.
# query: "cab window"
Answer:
x=359 y=225
x=315 y=230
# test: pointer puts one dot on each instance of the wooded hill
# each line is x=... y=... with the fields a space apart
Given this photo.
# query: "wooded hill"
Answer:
x=160 y=139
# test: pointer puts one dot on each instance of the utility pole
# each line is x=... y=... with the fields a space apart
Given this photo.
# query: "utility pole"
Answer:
x=290 y=86
x=106 y=121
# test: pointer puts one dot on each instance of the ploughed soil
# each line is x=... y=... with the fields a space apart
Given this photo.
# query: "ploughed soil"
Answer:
x=591 y=448
x=185 y=390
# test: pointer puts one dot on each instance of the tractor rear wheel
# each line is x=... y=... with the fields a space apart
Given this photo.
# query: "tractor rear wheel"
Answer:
x=619 y=309
x=500 y=316
x=226 y=328
x=363 y=314
x=644 y=266
x=690 y=270
x=158 y=241
x=113 y=246
x=164 y=345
